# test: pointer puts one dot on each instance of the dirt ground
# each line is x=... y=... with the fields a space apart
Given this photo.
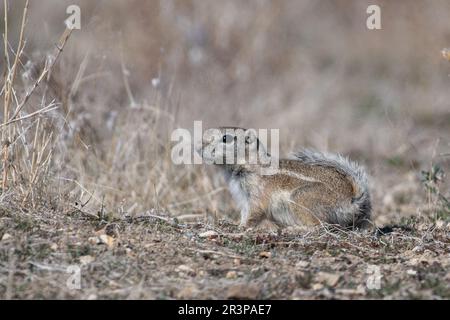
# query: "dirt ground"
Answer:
x=155 y=257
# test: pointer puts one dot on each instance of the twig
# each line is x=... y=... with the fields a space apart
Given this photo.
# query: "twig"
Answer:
x=219 y=253
x=9 y=83
x=46 y=109
x=82 y=188
x=47 y=267
x=59 y=48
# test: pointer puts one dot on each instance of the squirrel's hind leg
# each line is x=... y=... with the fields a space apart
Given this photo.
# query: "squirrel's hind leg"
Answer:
x=310 y=203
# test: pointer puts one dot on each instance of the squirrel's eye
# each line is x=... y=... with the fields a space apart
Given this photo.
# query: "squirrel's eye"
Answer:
x=227 y=138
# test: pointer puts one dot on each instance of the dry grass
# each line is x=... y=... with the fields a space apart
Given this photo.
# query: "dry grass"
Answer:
x=86 y=144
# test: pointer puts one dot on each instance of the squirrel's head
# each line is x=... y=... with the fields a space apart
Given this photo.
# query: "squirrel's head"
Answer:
x=232 y=146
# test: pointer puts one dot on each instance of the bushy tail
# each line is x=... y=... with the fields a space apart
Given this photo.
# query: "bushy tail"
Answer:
x=357 y=213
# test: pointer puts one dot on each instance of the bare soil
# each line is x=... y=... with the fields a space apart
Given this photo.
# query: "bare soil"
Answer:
x=156 y=257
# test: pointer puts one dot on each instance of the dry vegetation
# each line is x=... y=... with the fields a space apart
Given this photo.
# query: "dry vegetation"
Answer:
x=86 y=175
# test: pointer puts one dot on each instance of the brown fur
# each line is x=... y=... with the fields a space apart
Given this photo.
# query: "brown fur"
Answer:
x=304 y=191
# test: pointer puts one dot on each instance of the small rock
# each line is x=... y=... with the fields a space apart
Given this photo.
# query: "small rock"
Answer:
x=411 y=272
x=108 y=240
x=330 y=279
x=185 y=269
x=94 y=240
x=237 y=261
x=243 y=291
x=231 y=275
x=84 y=260
x=54 y=246
x=317 y=286
x=209 y=234
x=440 y=224
x=265 y=254
x=6 y=236
x=302 y=264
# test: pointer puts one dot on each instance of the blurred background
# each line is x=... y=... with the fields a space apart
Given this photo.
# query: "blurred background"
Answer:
x=138 y=69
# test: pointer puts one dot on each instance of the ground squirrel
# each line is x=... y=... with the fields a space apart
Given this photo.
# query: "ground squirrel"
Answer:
x=306 y=189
